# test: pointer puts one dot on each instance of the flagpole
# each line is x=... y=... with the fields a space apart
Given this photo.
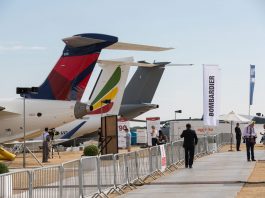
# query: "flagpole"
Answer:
x=251 y=86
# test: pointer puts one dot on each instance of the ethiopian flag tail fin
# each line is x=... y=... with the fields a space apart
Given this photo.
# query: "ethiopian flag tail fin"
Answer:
x=108 y=91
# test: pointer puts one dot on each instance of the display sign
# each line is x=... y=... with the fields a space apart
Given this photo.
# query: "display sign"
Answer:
x=123 y=123
x=141 y=136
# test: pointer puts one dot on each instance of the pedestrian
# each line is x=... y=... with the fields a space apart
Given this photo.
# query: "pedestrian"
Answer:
x=45 y=145
x=154 y=136
x=263 y=136
x=128 y=139
x=250 y=139
x=238 y=136
x=190 y=140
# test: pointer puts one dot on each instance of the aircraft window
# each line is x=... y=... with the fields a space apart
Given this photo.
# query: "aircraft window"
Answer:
x=39 y=114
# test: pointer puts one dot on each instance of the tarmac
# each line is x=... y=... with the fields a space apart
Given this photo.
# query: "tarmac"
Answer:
x=219 y=175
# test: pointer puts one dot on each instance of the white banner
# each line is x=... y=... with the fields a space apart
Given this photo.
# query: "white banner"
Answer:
x=211 y=94
x=154 y=121
x=141 y=136
x=163 y=158
x=122 y=124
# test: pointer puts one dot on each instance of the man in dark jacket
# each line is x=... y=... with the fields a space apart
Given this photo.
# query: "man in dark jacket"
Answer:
x=238 y=136
x=190 y=140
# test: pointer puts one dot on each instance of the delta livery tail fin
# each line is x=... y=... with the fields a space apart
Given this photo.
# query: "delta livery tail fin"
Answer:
x=108 y=91
x=70 y=75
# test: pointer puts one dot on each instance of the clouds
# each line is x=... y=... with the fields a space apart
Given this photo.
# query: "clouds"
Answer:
x=20 y=48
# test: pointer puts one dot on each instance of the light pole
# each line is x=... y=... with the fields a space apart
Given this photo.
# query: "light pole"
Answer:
x=177 y=111
x=23 y=91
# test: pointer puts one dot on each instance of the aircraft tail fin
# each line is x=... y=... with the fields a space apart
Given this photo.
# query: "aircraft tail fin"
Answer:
x=142 y=86
x=70 y=75
x=108 y=91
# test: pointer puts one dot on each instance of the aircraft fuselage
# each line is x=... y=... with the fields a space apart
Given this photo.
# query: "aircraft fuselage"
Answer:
x=38 y=115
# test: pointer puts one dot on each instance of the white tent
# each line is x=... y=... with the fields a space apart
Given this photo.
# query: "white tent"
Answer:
x=233 y=117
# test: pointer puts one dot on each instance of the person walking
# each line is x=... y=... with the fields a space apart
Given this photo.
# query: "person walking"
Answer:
x=250 y=136
x=154 y=136
x=238 y=136
x=190 y=140
x=128 y=139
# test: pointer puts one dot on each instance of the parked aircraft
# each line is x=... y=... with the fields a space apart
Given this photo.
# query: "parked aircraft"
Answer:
x=141 y=89
x=136 y=98
x=111 y=82
x=41 y=111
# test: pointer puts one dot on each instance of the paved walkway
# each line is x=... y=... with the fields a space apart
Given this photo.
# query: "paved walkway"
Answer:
x=220 y=175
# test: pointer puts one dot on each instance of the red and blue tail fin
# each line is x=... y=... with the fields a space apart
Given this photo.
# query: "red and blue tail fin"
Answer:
x=70 y=75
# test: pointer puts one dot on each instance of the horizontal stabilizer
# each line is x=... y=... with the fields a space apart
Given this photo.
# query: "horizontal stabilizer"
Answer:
x=179 y=65
x=114 y=62
x=165 y=63
x=136 y=47
x=78 y=41
x=2 y=108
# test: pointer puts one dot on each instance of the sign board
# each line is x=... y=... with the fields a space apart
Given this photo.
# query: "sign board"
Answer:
x=141 y=136
x=109 y=130
x=163 y=158
x=152 y=121
x=123 y=123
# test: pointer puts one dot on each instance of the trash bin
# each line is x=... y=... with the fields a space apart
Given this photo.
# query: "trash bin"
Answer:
x=134 y=138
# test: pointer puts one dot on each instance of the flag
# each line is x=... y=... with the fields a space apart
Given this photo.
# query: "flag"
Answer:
x=211 y=94
x=251 y=83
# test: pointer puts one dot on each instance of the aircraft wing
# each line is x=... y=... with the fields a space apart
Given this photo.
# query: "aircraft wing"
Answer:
x=34 y=142
x=6 y=114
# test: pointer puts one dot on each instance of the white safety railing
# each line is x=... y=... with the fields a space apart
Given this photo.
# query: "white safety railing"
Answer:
x=100 y=175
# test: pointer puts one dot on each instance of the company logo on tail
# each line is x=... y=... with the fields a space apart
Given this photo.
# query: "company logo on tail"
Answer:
x=108 y=92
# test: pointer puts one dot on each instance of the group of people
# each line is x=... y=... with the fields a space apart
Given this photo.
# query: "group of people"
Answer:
x=190 y=141
x=158 y=138
x=249 y=137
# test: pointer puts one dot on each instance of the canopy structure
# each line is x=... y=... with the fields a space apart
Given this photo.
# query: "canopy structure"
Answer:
x=233 y=117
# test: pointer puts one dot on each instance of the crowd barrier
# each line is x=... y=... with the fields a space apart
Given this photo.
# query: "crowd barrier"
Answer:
x=98 y=176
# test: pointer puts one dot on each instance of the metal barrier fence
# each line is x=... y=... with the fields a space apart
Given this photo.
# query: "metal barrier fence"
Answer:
x=90 y=179
x=98 y=176
x=69 y=179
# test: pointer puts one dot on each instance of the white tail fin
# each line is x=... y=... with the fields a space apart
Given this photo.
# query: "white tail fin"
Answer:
x=108 y=91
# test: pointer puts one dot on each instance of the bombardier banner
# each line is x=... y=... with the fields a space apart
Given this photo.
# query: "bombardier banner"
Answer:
x=211 y=90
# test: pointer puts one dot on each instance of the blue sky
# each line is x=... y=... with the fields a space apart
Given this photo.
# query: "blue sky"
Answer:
x=230 y=33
